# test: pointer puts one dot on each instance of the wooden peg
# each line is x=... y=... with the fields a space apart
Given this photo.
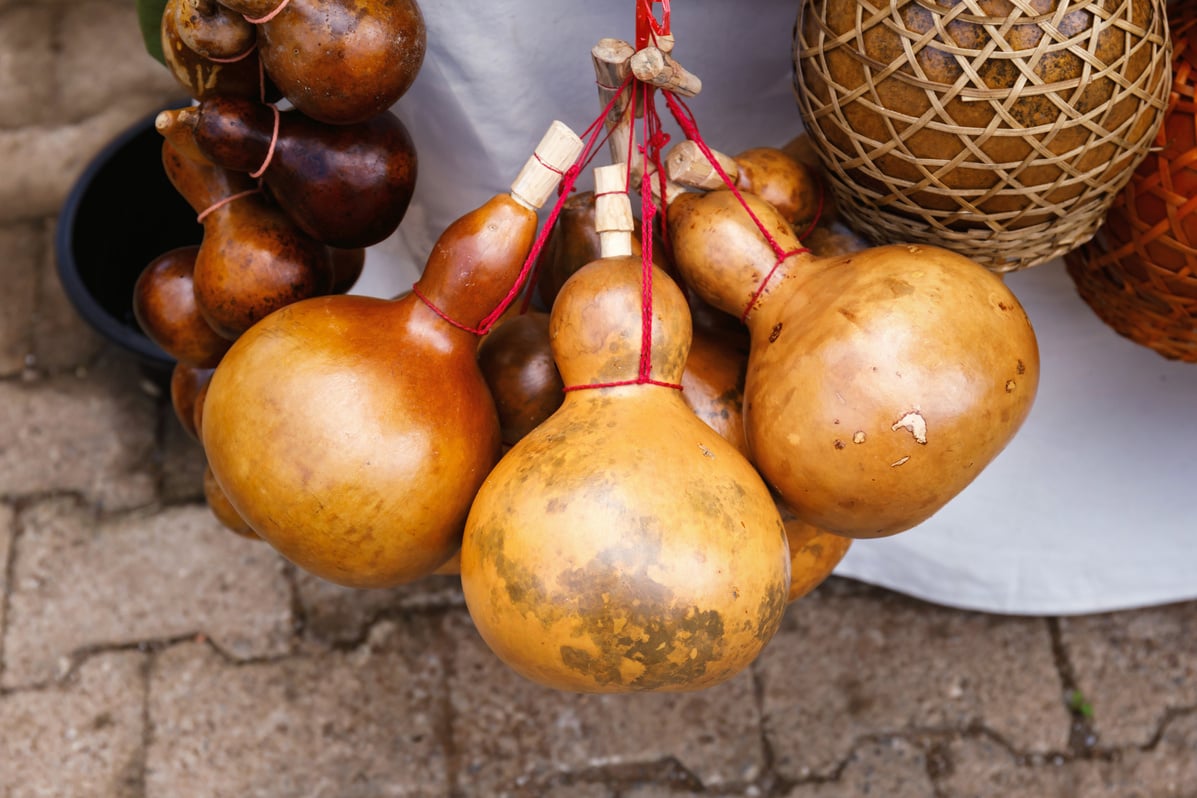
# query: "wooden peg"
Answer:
x=611 y=69
x=556 y=152
x=653 y=65
x=613 y=219
x=686 y=164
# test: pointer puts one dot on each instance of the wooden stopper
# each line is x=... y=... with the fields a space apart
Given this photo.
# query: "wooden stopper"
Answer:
x=610 y=58
x=686 y=165
x=613 y=211
x=653 y=65
x=555 y=153
x=672 y=189
x=611 y=67
x=177 y=126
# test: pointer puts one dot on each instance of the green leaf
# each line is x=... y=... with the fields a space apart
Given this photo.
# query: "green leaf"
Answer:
x=149 y=17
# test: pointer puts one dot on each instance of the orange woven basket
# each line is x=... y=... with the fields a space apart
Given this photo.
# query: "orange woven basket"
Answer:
x=1139 y=273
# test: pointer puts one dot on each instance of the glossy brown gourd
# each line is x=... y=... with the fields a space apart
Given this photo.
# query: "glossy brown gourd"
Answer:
x=623 y=545
x=225 y=513
x=879 y=383
x=352 y=432
x=187 y=384
x=198 y=74
x=573 y=243
x=713 y=384
x=345 y=185
x=517 y=363
x=785 y=182
x=211 y=29
x=197 y=412
x=339 y=61
x=165 y=309
x=347 y=268
x=814 y=553
x=253 y=260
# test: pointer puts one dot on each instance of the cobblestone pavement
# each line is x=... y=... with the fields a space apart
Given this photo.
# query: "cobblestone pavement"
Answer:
x=145 y=651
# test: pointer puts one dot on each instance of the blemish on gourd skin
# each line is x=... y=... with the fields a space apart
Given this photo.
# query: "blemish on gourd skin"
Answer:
x=915 y=424
x=635 y=619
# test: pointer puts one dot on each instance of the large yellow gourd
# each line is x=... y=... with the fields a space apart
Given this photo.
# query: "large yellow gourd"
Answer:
x=351 y=432
x=623 y=545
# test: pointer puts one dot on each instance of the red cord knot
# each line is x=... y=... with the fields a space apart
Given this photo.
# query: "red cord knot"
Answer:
x=270 y=16
x=760 y=289
x=431 y=306
x=221 y=203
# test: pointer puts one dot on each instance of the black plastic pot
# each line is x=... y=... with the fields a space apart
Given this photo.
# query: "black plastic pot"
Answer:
x=121 y=214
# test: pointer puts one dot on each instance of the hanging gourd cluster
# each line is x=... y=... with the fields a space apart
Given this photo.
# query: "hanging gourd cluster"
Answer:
x=636 y=437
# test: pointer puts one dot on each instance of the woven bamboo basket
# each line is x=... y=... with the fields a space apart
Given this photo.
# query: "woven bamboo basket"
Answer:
x=1139 y=273
x=1001 y=129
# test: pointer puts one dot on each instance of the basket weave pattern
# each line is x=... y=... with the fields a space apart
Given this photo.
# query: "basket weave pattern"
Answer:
x=1139 y=273
x=1002 y=136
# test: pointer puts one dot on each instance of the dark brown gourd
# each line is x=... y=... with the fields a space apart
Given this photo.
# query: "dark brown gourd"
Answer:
x=198 y=74
x=165 y=309
x=339 y=61
x=623 y=545
x=516 y=360
x=252 y=260
x=345 y=185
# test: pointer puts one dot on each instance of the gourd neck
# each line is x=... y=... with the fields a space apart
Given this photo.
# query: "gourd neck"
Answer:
x=202 y=185
x=478 y=259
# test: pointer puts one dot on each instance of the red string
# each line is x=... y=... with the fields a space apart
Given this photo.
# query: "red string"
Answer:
x=637 y=381
x=475 y=330
x=591 y=137
x=685 y=119
x=269 y=16
x=234 y=59
x=221 y=203
x=269 y=150
x=655 y=140
x=647 y=27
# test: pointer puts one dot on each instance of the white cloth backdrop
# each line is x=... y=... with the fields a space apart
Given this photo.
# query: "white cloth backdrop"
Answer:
x=1093 y=507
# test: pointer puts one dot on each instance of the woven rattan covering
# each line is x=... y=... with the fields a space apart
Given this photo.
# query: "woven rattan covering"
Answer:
x=1001 y=129
x=1139 y=273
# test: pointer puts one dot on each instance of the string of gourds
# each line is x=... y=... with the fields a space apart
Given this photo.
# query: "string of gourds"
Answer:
x=607 y=539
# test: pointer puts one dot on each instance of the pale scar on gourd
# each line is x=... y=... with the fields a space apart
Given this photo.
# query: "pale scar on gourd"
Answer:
x=915 y=423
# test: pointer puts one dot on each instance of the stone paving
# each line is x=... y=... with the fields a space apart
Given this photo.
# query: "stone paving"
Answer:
x=145 y=652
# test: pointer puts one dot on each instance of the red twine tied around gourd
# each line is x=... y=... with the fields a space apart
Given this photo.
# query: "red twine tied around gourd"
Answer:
x=235 y=58
x=273 y=137
x=569 y=177
x=261 y=170
x=221 y=203
x=685 y=119
x=270 y=16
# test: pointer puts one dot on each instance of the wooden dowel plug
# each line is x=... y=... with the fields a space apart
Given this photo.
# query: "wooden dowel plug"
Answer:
x=556 y=152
